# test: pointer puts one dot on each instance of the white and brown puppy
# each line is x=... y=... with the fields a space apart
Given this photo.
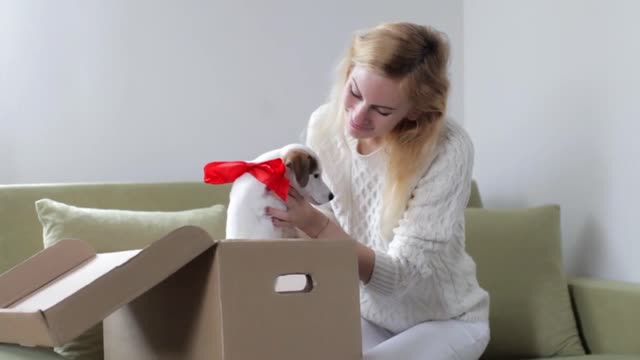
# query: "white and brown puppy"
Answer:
x=248 y=199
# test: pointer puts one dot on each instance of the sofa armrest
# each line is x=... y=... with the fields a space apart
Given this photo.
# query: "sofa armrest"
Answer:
x=608 y=314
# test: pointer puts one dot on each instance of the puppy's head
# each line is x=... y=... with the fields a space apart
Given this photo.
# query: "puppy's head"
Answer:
x=305 y=174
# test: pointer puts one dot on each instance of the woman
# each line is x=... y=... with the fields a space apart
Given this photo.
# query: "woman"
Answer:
x=401 y=174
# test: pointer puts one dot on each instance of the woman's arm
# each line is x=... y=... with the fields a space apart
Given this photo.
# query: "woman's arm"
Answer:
x=318 y=225
x=321 y=227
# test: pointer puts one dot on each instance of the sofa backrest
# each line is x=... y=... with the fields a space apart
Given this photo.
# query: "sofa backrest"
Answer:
x=21 y=232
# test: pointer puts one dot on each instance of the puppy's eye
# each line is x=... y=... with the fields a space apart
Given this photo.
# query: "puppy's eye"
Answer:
x=316 y=175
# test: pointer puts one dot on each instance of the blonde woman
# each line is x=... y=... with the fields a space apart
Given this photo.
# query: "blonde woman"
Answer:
x=400 y=171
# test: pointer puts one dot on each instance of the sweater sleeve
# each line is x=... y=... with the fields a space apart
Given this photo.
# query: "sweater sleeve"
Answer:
x=433 y=216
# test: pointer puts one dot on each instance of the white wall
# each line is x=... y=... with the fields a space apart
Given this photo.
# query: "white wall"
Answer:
x=551 y=101
x=152 y=90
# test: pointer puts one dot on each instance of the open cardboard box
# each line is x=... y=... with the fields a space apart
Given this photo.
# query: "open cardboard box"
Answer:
x=186 y=296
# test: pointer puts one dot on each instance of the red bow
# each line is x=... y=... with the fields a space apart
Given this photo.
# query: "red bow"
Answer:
x=270 y=173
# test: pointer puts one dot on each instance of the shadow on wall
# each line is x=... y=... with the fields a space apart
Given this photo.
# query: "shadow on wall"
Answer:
x=590 y=249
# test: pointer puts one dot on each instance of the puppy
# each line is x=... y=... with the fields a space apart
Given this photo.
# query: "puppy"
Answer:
x=248 y=199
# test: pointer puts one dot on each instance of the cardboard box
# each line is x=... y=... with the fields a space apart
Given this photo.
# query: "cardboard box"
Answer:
x=189 y=297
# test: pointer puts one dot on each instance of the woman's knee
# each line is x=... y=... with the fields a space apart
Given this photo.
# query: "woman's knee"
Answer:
x=434 y=340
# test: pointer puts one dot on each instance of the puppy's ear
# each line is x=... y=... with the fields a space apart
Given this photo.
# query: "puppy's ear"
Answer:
x=299 y=162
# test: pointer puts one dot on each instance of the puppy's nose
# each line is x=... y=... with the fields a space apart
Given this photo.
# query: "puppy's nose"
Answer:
x=330 y=196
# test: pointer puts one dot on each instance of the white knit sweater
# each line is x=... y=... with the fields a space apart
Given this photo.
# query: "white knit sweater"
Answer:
x=423 y=272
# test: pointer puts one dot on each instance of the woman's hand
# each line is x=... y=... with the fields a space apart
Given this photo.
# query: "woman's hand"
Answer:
x=305 y=217
x=299 y=214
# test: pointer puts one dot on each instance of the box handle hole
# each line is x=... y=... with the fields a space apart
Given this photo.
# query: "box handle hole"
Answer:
x=293 y=283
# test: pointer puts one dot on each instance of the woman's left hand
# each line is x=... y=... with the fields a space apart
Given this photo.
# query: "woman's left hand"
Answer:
x=299 y=214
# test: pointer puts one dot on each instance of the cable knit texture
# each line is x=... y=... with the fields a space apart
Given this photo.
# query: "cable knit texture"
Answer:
x=423 y=272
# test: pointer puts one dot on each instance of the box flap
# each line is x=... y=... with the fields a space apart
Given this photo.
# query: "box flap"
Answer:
x=28 y=276
x=59 y=289
x=85 y=295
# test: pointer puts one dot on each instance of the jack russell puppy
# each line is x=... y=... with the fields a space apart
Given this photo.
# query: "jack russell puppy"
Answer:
x=249 y=197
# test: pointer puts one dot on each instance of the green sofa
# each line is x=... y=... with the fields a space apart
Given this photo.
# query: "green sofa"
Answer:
x=607 y=314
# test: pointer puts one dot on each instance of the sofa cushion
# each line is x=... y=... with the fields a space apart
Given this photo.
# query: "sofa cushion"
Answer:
x=109 y=230
x=519 y=262
x=605 y=314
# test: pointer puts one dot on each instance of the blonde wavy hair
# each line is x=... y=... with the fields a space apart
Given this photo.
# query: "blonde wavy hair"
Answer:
x=418 y=56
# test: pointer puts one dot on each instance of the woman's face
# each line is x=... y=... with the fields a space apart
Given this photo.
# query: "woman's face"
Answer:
x=374 y=104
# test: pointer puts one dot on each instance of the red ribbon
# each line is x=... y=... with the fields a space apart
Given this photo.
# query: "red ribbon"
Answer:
x=270 y=172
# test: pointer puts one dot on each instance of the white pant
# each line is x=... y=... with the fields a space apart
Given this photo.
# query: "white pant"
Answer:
x=432 y=340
